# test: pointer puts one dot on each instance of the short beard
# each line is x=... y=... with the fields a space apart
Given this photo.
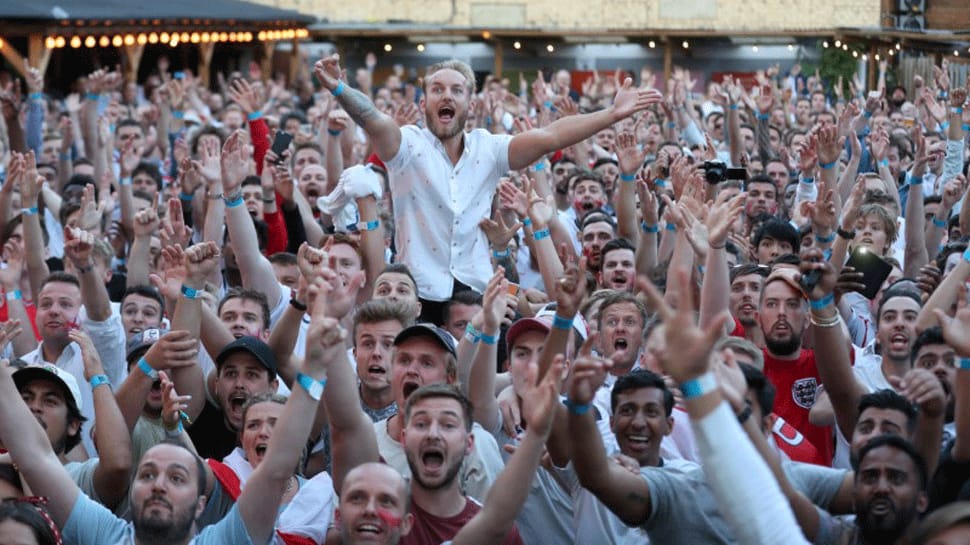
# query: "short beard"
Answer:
x=783 y=347
x=450 y=476
x=151 y=532
x=442 y=135
x=887 y=534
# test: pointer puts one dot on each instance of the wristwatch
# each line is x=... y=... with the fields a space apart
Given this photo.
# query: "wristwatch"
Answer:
x=847 y=235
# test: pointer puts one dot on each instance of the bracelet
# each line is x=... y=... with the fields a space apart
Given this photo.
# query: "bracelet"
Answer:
x=884 y=163
x=672 y=227
x=213 y=196
x=92 y=96
x=64 y=156
x=721 y=247
x=578 y=409
x=808 y=180
x=660 y=182
x=825 y=240
x=254 y=116
x=473 y=335
x=371 y=225
x=175 y=433
x=312 y=386
x=916 y=180
x=671 y=125
x=499 y=255
x=538 y=167
x=966 y=255
x=744 y=415
x=185 y=196
x=541 y=234
x=233 y=202
x=945 y=125
x=547 y=104
x=338 y=90
x=699 y=386
x=191 y=293
x=126 y=180
x=648 y=228
x=527 y=222
x=178 y=114
x=956 y=110
x=35 y=96
x=733 y=107
x=764 y=117
x=939 y=223
x=98 y=380
x=847 y=235
x=559 y=322
x=965 y=127
x=826 y=322
x=965 y=364
x=819 y=304
x=31 y=211
x=333 y=132
x=84 y=270
x=826 y=166
x=866 y=114
x=14 y=295
x=298 y=305
x=147 y=369
x=628 y=177
x=487 y=339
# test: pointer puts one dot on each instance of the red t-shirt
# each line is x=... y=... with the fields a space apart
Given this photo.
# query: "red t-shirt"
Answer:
x=794 y=444
x=431 y=530
x=796 y=382
x=28 y=306
x=738 y=329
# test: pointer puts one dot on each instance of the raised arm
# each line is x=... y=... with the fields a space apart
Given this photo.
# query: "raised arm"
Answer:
x=380 y=128
x=112 y=438
x=630 y=158
x=24 y=173
x=526 y=148
x=255 y=269
x=956 y=331
x=481 y=382
x=506 y=497
x=30 y=447
x=13 y=256
x=716 y=287
x=260 y=500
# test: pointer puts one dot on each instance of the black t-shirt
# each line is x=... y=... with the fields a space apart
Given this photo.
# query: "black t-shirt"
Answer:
x=210 y=435
x=950 y=482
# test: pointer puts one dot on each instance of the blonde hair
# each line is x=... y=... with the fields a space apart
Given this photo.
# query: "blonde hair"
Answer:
x=456 y=65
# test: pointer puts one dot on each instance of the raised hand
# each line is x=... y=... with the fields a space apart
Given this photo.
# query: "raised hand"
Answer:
x=953 y=189
x=572 y=288
x=78 y=245
x=513 y=198
x=89 y=354
x=328 y=71
x=829 y=145
x=922 y=388
x=146 y=223
x=200 y=261
x=629 y=155
x=326 y=337
x=721 y=217
x=9 y=331
x=493 y=302
x=13 y=256
x=208 y=165
x=174 y=349
x=540 y=398
x=497 y=231
x=173 y=273
x=630 y=100
x=174 y=231
x=234 y=163
x=814 y=260
x=587 y=373
x=173 y=404
x=311 y=261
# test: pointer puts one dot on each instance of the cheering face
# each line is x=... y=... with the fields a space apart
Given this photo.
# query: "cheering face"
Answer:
x=887 y=494
x=871 y=234
x=372 y=506
x=373 y=347
x=418 y=361
x=745 y=292
x=762 y=198
x=257 y=430
x=640 y=423
x=595 y=235
x=619 y=270
x=588 y=195
x=57 y=311
x=164 y=494
x=241 y=377
x=897 y=328
x=436 y=442
x=621 y=334
x=139 y=313
x=783 y=318
x=939 y=359
x=446 y=103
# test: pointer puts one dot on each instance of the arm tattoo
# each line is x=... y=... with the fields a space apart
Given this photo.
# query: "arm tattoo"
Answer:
x=358 y=106
x=764 y=140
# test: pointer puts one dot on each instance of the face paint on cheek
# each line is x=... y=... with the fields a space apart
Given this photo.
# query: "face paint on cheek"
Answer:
x=72 y=325
x=389 y=518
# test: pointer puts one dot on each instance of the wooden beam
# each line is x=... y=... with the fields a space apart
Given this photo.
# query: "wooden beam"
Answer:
x=38 y=56
x=204 y=70
x=266 y=64
x=872 y=67
x=14 y=58
x=294 y=68
x=668 y=62
x=499 y=52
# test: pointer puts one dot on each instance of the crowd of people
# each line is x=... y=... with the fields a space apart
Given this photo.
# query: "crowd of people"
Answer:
x=337 y=310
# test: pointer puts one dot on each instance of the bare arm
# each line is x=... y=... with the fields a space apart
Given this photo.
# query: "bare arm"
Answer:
x=371 y=245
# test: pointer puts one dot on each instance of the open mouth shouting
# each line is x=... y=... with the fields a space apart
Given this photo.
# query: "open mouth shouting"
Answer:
x=446 y=114
x=409 y=387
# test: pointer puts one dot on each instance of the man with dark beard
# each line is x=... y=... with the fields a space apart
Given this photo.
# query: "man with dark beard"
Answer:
x=442 y=179
x=783 y=317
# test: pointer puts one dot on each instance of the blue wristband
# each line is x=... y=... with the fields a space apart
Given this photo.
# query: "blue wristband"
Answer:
x=956 y=110
x=15 y=295
x=178 y=114
x=660 y=182
x=147 y=369
x=916 y=180
x=764 y=117
x=965 y=127
x=98 y=380
x=671 y=125
x=867 y=114
x=672 y=227
x=185 y=196
x=472 y=334
x=487 y=339
x=939 y=223
x=649 y=229
x=92 y=96
x=191 y=293
x=628 y=177
x=826 y=166
x=499 y=255
x=527 y=222
x=825 y=240
x=884 y=163
x=965 y=364
x=808 y=180
x=35 y=96
x=733 y=107
x=338 y=90
x=127 y=181
x=699 y=386
x=547 y=104
x=559 y=322
x=234 y=202
x=541 y=234
x=333 y=132
x=31 y=211
x=313 y=387
x=966 y=255
x=819 y=304
x=538 y=167
x=945 y=125
x=371 y=225
x=255 y=115
x=578 y=409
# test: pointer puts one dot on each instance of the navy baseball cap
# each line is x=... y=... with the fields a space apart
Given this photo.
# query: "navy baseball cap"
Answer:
x=254 y=346
x=431 y=331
